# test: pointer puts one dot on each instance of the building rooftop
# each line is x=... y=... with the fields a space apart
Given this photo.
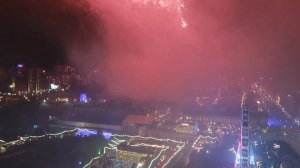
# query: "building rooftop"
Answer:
x=139 y=119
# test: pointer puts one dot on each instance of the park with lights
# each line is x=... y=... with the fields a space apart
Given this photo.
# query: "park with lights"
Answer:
x=117 y=150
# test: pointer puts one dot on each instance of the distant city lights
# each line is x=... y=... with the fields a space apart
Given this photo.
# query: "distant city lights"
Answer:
x=54 y=86
x=20 y=65
x=85 y=132
x=106 y=135
x=83 y=98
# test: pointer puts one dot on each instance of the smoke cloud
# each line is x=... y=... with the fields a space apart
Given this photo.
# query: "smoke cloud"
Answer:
x=150 y=54
x=142 y=50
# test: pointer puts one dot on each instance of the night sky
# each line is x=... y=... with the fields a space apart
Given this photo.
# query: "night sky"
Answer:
x=142 y=50
x=39 y=32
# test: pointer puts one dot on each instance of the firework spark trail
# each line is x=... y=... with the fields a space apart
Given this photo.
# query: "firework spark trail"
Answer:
x=168 y=5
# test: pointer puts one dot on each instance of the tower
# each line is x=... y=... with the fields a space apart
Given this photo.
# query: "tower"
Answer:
x=30 y=80
x=13 y=84
x=37 y=82
x=245 y=149
x=244 y=154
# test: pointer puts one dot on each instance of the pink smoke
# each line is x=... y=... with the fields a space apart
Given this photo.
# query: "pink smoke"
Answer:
x=149 y=54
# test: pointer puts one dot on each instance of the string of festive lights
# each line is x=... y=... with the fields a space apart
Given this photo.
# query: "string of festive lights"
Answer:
x=137 y=136
x=112 y=145
x=92 y=160
x=117 y=139
x=157 y=156
x=173 y=156
x=98 y=157
x=162 y=150
x=212 y=140
x=75 y=132
x=148 y=145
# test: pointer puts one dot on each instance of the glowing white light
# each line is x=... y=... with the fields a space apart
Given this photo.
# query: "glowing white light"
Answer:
x=20 y=65
x=53 y=86
x=238 y=158
x=276 y=146
x=183 y=23
x=251 y=160
x=140 y=165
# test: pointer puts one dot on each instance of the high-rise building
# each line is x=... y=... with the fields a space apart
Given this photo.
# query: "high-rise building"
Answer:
x=13 y=84
x=30 y=81
x=37 y=81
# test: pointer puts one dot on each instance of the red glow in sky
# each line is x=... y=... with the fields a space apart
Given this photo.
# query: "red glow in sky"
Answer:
x=150 y=54
x=141 y=48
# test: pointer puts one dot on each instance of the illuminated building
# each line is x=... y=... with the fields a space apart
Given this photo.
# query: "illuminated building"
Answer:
x=18 y=78
x=37 y=82
x=27 y=79
x=132 y=123
x=186 y=128
x=30 y=81
x=13 y=84
x=63 y=75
